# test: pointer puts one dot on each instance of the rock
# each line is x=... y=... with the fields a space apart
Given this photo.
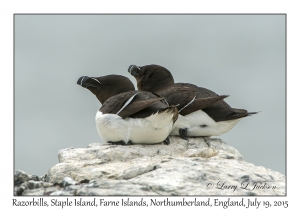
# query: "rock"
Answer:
x=41 y=191
x=181 y=168
x=125 y=162
x=21 y=177
x=68 y=181
x=199 y=176
x=29 y=185
x=204 y=153
x=62 y=192
x=113 y=187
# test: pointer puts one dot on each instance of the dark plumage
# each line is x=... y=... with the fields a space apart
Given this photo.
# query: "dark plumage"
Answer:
x=158 y=79
x=128 y=115
x=143 y=105
x=114 y=90
x=202 y=111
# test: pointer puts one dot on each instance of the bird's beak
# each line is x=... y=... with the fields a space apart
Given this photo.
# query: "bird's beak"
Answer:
x=134 y=70
x=82 y=81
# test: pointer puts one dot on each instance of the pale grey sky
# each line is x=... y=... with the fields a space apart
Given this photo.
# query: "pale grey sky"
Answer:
x=238 y=55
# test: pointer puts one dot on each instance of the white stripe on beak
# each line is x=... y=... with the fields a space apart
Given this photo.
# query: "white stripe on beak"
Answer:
x=96 y=80
x=81 y=80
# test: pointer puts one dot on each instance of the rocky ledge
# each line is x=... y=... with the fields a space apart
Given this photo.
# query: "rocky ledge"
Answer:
x=182 y=168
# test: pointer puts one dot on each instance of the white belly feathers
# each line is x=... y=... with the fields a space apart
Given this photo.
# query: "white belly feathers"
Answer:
x=150 y=130
x=198 y=123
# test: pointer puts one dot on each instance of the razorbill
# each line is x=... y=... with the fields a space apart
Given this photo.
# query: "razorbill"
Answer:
x=213 y=119
x=129 y=116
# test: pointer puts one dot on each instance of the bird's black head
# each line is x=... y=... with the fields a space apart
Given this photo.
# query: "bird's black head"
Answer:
x=151 y=77
x=106 y=86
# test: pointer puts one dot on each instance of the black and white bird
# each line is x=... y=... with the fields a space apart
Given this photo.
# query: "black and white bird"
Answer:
x=129 y=116
x=212 y=118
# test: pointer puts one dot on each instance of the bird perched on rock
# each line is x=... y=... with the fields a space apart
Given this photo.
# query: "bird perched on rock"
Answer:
x=212 y=117
x=129 y=116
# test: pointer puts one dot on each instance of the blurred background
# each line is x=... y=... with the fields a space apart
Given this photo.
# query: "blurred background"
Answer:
x=238 y=55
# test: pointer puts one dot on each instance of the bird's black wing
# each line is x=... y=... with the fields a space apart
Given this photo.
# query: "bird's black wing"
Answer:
x=142 y=105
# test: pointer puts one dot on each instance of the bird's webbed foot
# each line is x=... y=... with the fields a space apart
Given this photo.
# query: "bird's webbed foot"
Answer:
x=123 y=143
x=167 y=141
x=183 y=133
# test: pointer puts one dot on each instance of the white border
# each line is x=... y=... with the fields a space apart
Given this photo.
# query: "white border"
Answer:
x=8 y=8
